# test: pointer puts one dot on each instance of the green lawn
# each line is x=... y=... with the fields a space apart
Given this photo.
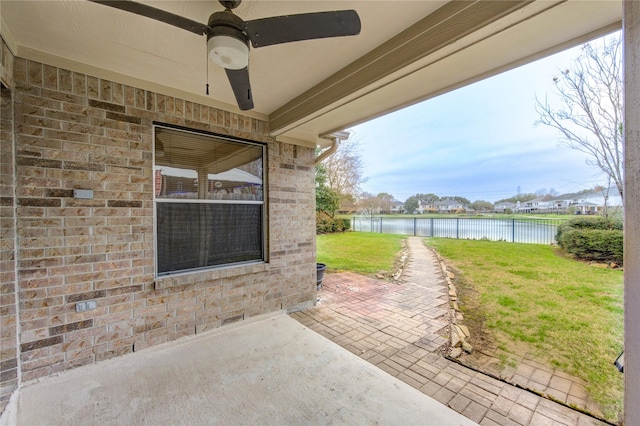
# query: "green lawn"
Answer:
x=359 y=252
x=530 y=297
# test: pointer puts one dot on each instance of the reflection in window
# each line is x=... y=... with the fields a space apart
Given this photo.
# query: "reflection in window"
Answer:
x=209 y=201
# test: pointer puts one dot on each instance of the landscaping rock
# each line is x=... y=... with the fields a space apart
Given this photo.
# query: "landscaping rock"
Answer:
x=459 y=332
x=463 y=330
x=398 y=274
x=455 y=340
x=455 y=352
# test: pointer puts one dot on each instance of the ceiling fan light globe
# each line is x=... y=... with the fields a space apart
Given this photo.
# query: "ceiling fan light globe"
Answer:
x=228 y=52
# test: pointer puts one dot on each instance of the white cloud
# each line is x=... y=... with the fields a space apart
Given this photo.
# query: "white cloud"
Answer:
x=479 y=142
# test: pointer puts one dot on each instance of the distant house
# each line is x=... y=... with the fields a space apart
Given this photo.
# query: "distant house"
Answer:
x=536 y=205
x=561 y=203
x=540 y=203
x=585 y=208
x=347 y=206
x=397 y=207
x=426 y=207
x=592 y=202
x=505 y=206
x=609 y=197
x=450 y=206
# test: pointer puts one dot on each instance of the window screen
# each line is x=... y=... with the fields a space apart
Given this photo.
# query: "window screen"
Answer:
x=209 y=201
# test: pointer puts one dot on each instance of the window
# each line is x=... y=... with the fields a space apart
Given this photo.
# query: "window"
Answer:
x=209 y=201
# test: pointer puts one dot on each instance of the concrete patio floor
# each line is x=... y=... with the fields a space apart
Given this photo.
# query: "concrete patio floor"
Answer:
x=266 y=371
x=403 y=329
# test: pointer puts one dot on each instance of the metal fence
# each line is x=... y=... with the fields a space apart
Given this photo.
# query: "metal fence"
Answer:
x=533 y=231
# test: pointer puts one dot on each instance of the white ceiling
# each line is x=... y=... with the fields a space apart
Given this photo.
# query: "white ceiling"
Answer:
x=92 y=38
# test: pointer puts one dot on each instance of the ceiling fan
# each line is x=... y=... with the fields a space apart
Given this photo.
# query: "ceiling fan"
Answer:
x=228 y=36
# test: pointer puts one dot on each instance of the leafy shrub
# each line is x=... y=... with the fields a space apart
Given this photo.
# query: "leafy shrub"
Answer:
x=597 y=222
x=593 y=238
x=326 y=225
x=588 y=223
x=594 y=244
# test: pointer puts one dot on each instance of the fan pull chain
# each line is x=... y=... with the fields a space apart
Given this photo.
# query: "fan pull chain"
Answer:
x=207 y=59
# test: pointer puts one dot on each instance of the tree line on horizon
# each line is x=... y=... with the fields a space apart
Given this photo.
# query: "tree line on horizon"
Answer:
x=383 y=202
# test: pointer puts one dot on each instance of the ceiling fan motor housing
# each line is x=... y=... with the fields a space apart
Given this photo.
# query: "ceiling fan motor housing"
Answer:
x=227 y=41
x=230 y=4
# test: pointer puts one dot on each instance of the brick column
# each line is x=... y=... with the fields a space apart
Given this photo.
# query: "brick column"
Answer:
x=9 y=357
x=631 y=24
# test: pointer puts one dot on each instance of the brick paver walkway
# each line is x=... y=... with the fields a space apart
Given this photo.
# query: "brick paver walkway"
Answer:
x=528 y=372
x=403 y=329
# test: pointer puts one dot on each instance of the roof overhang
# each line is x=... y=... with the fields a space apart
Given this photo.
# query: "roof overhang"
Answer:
x=407 y=52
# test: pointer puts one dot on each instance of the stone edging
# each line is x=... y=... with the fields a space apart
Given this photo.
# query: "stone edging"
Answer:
x=459 y=333
x=399 y=266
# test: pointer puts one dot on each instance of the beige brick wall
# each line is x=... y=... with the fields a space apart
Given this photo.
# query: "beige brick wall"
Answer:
x=75 y=131
x=8 y=294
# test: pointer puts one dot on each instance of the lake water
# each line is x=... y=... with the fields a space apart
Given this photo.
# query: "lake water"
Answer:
x=534 y=231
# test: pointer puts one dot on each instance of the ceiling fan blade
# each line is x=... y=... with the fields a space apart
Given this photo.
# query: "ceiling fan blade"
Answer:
x=157 y=14
x=305 y=26
x=239 y=80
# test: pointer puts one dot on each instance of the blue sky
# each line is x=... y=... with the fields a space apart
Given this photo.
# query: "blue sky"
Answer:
x=480 y=142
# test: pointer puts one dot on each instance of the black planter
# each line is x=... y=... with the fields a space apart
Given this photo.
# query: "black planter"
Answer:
x=320 y=268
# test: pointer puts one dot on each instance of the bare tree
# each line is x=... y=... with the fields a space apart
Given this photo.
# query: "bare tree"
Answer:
x=590 y=118
x=368 y=204
x=385 y=202
x=344 y=169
